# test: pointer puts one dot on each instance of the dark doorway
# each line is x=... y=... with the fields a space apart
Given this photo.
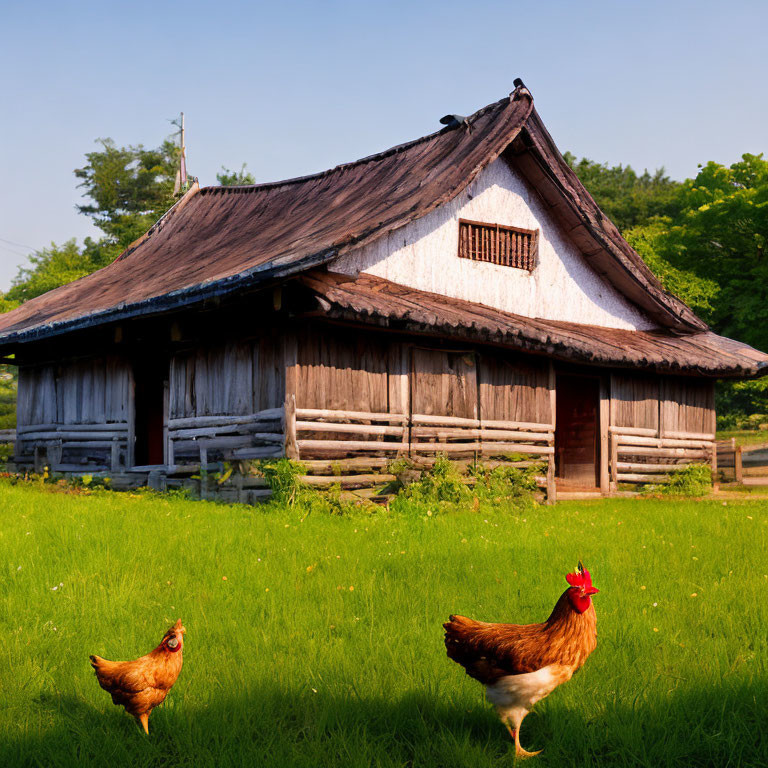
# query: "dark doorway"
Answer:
x=149 y=378
x=577 y=457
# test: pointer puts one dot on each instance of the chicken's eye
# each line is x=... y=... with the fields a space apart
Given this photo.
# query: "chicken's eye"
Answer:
x=173 y=642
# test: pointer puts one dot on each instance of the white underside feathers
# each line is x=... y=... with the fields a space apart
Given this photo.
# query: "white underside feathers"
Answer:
x=514 y=695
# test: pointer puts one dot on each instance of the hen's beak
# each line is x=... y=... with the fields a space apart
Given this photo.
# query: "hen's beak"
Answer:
x=591 y=591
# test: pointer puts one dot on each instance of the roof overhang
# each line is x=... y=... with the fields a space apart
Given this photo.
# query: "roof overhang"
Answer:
x=374 y=301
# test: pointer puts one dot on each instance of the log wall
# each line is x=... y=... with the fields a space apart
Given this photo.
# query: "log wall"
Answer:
x=658 y=425
x=225 y=401
x=74 y=416
x=348 y=401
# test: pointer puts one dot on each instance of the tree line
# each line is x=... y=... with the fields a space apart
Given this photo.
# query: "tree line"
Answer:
x=704 y=237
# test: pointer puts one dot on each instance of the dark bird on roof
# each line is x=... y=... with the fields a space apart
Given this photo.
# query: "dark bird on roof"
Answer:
x=452 y=121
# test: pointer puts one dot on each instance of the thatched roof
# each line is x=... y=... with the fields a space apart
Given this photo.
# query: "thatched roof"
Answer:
x=218 y=240
x=379 y=302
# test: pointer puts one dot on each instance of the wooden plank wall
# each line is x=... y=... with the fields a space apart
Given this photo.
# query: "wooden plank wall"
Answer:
x=363 y=399
x=234 y=379
x=635 y=401
x=342 y=369
x=74 y=415
x=658 y=424
x=226 y=400
x=514 y=388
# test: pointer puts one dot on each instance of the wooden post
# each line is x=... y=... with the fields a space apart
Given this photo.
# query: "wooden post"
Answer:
x=614 y=468
x=203 y=469
x=715 y=479
x=39 y=458
x=166 y=414
x=551 y=480
x=130 y=451
x=291 y=443
x=605 y=408
x=115 y=455
x=551 y=484
x=291 y=367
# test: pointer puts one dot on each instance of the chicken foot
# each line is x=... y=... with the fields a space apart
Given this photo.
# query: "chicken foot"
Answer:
x=519 y=751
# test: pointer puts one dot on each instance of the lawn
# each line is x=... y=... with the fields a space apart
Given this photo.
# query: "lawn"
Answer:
x=318 y=641
x=744 y=437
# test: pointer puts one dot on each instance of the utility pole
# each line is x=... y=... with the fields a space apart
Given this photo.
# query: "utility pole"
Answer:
x=181 y=175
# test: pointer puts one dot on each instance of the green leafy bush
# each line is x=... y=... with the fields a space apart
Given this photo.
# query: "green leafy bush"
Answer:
x=690 y=480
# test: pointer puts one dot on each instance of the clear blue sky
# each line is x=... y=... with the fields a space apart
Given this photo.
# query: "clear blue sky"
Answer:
x=296 y=87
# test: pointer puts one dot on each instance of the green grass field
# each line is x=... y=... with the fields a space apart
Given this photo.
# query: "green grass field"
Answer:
x=323 y=645
x=744 y=437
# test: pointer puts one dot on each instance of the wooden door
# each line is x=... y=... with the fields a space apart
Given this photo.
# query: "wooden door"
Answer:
x=150 y=408
x=577 y=431
x=444 y=383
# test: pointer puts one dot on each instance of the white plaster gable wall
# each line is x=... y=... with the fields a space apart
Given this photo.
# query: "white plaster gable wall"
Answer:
x=424 y=255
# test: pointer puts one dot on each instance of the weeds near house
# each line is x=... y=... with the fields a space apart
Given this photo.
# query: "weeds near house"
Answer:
x=689 y=480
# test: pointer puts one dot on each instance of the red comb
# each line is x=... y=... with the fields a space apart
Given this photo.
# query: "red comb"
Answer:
x=580 y=578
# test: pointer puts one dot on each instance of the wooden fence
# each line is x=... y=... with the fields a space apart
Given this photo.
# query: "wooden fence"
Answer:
x=347 y=447
x=642 y=456
x=747 y=464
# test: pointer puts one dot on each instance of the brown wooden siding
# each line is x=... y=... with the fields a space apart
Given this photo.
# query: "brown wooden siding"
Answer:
x=342 y=369
x=236 y=378
x=688 y=405
x=444 y=383
x=636 y=401
x=514 y=388
x=93 y=391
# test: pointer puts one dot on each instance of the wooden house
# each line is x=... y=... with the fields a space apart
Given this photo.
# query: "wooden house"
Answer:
x=461 y=294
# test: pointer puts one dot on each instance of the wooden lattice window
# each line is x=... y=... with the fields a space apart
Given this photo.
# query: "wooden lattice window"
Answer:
x=497 y=244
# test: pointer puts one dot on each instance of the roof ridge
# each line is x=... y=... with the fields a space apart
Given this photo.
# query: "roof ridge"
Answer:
x=246 y=188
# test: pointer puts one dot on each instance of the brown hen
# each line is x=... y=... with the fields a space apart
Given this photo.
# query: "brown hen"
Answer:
x=143 y=684
x=520 y=664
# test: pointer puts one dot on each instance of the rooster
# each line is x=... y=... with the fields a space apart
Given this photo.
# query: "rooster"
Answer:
x=143 y=684
x=520 y=664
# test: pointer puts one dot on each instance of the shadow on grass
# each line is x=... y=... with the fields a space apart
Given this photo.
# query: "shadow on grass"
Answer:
x=276 y=727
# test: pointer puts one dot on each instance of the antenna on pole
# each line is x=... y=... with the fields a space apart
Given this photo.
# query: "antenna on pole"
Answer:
x=180 y=185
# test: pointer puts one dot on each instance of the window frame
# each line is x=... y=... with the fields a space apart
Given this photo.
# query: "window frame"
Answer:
x=533 y=250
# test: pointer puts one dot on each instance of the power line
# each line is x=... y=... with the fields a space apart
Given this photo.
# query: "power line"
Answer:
x=21 y=245
x=11 y=250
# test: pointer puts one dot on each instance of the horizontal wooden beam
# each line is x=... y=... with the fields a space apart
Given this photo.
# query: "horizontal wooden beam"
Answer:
x=270 y=414
x=707 y=436
x=319 y=413
x=639 y=431
x=648 y=468
x=344 y=466
x=641 y=478
x=348 y=481
x=661 y=442
x=455 y=421
x=350 y=445
x=246 y=429
x=67 y=436
x=362 y=429
x=105 y=427
x=689 y=453
x=469 y=432
x=481 y=448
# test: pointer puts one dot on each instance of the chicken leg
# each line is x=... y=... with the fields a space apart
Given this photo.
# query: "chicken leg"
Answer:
x=515 y=734
x=144 y=720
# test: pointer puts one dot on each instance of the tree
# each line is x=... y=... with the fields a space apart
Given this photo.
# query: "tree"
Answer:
x=626 y=198
x=719 y=236
x=57 y=265
x=130 y=188
x=239 y=178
